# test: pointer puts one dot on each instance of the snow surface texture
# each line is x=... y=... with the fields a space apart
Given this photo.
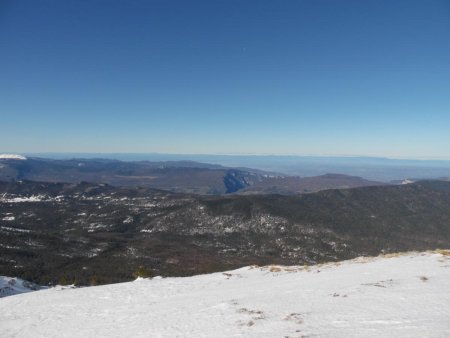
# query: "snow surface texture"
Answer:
x=12 y=157
x=391 y=296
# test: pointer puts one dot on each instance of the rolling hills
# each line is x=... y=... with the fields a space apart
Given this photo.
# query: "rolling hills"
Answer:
x=96 y=233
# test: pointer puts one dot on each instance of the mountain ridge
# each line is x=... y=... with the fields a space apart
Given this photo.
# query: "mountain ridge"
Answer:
x=176 y=176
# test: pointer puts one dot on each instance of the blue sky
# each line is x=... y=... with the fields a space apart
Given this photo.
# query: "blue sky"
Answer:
x=261 y=77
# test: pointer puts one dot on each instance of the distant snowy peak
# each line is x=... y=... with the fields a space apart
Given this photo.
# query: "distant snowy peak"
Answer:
x=12 y=286
x=12 y=157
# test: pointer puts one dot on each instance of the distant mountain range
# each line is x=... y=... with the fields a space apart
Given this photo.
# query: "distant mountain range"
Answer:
x=96 y=233
x=371 y=168
x=291 y=185
x=175 y=176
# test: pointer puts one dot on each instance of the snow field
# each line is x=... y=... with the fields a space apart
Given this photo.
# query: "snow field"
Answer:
x=392 y=296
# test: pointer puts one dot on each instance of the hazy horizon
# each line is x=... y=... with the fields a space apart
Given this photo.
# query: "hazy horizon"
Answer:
x=66 y=154
x=374 y=168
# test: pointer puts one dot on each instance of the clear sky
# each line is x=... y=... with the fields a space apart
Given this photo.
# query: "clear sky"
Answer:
x=233 y=76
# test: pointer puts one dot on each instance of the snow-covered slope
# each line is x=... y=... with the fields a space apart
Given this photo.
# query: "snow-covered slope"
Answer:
x=13 y=286
x=12 y=157
x=392 y=296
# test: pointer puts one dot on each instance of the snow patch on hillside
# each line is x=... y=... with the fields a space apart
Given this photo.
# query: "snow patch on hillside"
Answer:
x=13 y=286
x=391 y=296
x=21 y=199
x=12 y=157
